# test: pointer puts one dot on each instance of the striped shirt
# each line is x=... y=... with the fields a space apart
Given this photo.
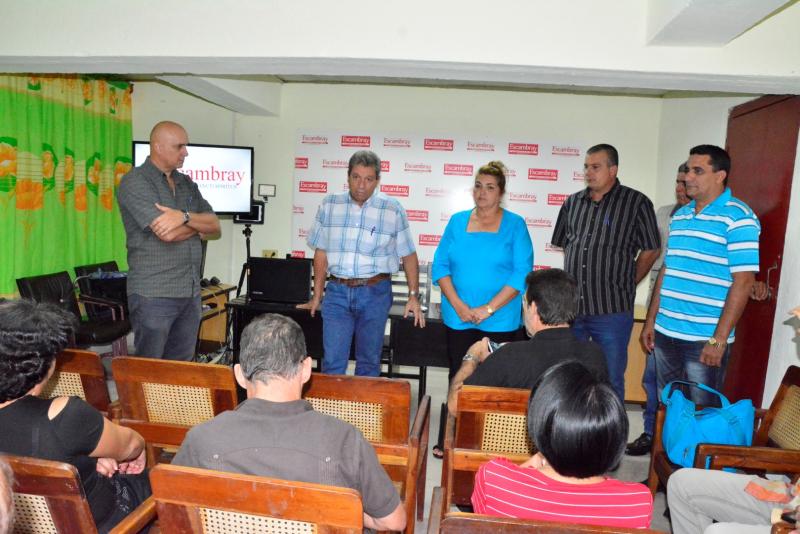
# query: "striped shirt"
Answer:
x=361 y=241
x=703 y=252
x=601 y=241
x=507 y=490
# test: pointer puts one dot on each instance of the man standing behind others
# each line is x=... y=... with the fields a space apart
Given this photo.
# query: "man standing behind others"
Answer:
x=704 y=285
x=360 y=237
x=644 y=442
x=165 y=217
x=602 y=229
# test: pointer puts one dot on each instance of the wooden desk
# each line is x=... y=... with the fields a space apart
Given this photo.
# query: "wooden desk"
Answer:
x=214 y=322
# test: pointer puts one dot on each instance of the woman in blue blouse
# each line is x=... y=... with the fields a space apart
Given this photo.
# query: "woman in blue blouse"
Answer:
x=480 y=266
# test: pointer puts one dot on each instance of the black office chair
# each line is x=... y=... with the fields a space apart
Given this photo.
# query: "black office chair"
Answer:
x=57 y=288
x=115 y=289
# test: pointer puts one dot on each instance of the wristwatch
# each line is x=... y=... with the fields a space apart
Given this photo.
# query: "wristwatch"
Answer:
x=713 y=342
x=186 y=217
x=413 y=294
x=489 y=309
x=470 y=358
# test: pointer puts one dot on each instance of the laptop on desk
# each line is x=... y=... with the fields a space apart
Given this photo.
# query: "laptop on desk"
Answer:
x=279 y=280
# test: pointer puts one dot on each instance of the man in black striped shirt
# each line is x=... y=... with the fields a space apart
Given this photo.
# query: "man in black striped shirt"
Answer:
x=610 y=240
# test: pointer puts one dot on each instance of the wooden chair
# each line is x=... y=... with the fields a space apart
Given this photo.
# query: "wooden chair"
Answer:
x=776 y=440
x=48 y=497
x=381 y=408
x=490 y=423
x=200 y=500
x=79 y=373
x=463 y=523
x=163 y=399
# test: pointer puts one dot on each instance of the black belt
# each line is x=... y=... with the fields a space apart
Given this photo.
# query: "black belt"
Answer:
x=357 y=282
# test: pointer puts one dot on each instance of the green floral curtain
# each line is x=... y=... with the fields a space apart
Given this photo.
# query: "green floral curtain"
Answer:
x=65 y=142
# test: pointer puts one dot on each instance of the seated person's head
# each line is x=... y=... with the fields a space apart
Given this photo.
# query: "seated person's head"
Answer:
x=31 y=335
x=6 y=498
x=552 y=294
x=577 y=422
x=273 y=347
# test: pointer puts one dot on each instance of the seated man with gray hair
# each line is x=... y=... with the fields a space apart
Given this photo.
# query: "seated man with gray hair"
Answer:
x=275 y=433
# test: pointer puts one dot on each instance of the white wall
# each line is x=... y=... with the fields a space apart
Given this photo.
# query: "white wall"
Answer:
x=687 y=122
x=785 y=347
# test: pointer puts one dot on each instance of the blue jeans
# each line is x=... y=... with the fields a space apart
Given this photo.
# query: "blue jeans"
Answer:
x=611 y=331
x=677 y=359
x=165 y=327
x=362 y=310
x=651 y=392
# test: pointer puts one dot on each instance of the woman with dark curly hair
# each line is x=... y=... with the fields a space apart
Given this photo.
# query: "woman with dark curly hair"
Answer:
x=109 y=458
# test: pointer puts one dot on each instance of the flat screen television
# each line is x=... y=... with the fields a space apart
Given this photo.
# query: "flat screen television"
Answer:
x=224 y=174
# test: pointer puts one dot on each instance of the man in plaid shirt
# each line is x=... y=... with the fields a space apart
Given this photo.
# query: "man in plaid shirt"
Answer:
x=359 y=238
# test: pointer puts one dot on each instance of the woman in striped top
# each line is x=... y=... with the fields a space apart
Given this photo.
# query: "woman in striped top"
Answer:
x=579 y=427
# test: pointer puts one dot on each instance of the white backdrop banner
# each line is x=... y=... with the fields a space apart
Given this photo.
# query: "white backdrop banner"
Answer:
x=432 y=177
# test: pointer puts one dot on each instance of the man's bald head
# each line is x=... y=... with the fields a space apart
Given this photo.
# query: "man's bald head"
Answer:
x=168 y=142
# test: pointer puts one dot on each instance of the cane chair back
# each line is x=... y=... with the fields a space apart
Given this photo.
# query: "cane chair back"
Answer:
x=490 y=422
x=212 y=502
x=79 y=373
x=163 y=399
x=380 y=408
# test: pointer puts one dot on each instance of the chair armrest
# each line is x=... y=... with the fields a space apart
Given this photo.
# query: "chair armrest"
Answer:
x=115 y=411
x=422 y=418
x=115 y=305
x=144 y=514
x=770 y=459
x=436 y=511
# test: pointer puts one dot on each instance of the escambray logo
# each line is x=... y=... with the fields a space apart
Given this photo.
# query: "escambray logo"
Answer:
x=302 y=232
x=522 y=197
x=565 y=151
x=578 y=176
x=385 y=166
x=430 y=240
x=556 y=199
x=525 y=149
x=298 y=253
x=300 y=163
x=334 y=164
x=314 y=139
x=313 y=187
x=457 y=169
x=439 y=144
x=436 y=192
x=298 y=209
x=397 y=142
x=394 y=190
x=417 y=215
x=356 y=140
x=417 y=167
x=480 y=147
x=538 y=223
x=551 y=175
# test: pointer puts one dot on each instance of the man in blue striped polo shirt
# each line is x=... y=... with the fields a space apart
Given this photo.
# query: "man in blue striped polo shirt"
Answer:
x=704 y=284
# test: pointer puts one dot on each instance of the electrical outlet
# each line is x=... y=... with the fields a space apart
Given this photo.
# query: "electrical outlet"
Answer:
x=269 y=253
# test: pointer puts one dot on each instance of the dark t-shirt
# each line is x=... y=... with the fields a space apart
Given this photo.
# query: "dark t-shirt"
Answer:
x=521 y=363
x=69 y=437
